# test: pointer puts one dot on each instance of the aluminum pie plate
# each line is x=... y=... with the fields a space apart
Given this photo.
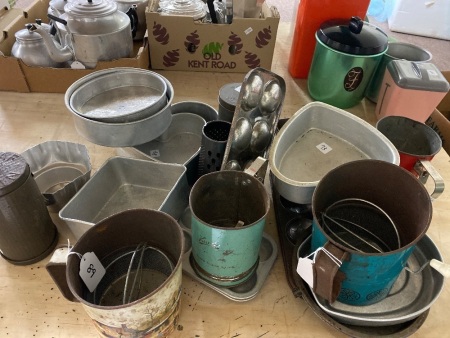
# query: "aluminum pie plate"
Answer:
x=126 y=134
x=126 y=183
x=317 y=139
x=411 y=295
x=60 y=169
x=124 y=95
x=243 y=292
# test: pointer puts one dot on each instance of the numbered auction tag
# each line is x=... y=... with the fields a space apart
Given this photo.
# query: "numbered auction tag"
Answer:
x=154 y=153
x=77 y=65
x=305 y=269
x=248 y=30
x=91 y=270
x=324 y=148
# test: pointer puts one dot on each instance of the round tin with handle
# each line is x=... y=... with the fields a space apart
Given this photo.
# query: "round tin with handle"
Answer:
x=355 y=274
x=346 y=55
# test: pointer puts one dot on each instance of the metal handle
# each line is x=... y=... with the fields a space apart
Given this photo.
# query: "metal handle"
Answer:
x=424 y=169
x=55 y=18
x=134 y=19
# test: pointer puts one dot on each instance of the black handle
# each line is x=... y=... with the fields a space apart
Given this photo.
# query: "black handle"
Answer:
x=55 y=18
x=355 y=25
x=134 y=20
x=212 y=11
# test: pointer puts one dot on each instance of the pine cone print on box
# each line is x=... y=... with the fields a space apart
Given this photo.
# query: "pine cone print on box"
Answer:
x=252 y=60
x=263 y=37
x=171 y=58
x=160 y=34
x=191 y=42
x=234 y=44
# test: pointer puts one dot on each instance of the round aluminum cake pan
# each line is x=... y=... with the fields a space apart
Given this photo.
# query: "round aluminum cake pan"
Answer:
x=122 y=134
x=122 y=95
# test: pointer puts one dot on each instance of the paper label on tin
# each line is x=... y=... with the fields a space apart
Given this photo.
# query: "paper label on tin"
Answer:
x=91 y=270
x=324 y=148
x=155 y=153
x=77 y=65
x=248 y=30
x=305 y=268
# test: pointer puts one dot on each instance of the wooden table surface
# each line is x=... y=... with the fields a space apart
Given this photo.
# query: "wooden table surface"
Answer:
x=32 y=306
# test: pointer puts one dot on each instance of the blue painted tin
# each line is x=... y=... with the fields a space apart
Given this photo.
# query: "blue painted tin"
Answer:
x=370 y=276
x=229 y=210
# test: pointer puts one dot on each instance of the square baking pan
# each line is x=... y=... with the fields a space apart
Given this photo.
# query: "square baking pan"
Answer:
x=126 y=183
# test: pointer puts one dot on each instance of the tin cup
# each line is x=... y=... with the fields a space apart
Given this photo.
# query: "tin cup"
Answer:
x=364 y=277
x=395 y=51
x=229 y=210
x=417 y=144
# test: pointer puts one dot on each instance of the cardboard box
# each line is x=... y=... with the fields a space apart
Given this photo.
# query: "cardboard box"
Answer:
x=180 y=43
x=440 y=118
x=17 y=76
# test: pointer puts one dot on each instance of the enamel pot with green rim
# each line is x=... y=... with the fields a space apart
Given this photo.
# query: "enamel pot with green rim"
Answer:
x=360 y=275
x=229 y=210
x=346 y=55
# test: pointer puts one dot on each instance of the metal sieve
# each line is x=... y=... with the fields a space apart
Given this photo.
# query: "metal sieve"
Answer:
x=131 y=273
x=361 y=225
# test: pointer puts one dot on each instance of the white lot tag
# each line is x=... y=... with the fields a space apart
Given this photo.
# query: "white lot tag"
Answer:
x=324 y=148
x=238 y=88
x=305 y=268
x=77 y=65
x=91 y=270
x=248 y=30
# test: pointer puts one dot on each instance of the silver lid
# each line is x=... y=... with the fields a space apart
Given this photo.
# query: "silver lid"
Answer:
x=417 y=76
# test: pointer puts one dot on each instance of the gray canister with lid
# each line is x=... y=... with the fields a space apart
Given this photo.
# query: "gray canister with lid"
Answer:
x=228 y=97
x=27 y=233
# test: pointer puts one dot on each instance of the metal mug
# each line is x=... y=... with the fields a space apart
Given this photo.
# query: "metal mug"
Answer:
x=363 y=278
x=154 y=312
x=417 y=144
x=229 y=210
x=395 y=51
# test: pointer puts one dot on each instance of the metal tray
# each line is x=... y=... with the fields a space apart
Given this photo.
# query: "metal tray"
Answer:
x=411 y=295
x=125 y=134
x=120 y=96
x=255 y=119
x=243 y=292
x=126 y=183
x=316 y=139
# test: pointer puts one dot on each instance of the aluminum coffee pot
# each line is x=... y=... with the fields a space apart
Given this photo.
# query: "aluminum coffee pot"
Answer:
x=30 y=47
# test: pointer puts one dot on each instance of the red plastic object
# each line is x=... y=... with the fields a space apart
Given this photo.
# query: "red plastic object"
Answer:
x=310 y=15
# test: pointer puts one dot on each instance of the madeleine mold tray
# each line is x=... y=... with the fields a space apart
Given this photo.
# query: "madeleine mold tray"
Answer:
x=255 y=119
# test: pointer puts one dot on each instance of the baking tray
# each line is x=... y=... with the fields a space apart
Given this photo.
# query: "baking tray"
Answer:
x=255 y=119
x=125 y=183
x=411 y=295
x=317 y=139
x=240 y=293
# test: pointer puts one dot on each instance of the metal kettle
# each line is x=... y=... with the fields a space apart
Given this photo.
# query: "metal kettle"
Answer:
x=96 y=31
x=30 y=47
